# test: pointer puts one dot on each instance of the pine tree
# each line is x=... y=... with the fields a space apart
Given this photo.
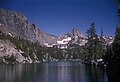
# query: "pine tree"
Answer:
x=113 y=59
x=93 y=44
x=116 y=43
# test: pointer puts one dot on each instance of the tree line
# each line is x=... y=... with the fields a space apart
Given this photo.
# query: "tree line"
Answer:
x=94 y=48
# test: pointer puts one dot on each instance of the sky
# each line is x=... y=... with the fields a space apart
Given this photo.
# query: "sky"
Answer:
x=61 y=16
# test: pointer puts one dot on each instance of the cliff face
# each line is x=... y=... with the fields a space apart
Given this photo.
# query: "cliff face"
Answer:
x=16 y=24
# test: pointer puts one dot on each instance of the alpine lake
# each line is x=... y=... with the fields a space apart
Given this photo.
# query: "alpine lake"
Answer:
x=52 y=71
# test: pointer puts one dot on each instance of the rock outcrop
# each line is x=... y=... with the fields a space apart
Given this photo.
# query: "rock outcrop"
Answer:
x=9 y=53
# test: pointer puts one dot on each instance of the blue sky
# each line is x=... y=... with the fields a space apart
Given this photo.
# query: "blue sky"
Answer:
x=61 y=16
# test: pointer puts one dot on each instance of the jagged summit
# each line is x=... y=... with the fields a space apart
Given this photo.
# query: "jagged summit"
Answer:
x=73 y=37
x=75 y=29
x=76 y=32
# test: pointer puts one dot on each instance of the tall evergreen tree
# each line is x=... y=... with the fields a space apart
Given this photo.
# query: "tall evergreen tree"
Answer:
x=113 y=59
x=93 y=44
x=116 y=43
x=102 y=46
x=91 y=33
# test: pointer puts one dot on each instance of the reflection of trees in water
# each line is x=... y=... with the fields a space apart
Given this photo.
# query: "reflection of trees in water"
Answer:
x=17 y=73
x=8 y=73
x=95 y=74
x=61 y=71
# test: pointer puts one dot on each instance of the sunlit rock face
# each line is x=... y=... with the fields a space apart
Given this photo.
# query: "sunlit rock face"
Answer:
x=77 y=37
x=16 y=24
x=8 y=53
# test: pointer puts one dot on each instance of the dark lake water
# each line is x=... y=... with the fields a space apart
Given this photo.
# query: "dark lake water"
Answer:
x=61 y=71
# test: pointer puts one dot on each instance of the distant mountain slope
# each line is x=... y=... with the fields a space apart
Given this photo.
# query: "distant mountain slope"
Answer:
x=16 y=24
x=73 y=37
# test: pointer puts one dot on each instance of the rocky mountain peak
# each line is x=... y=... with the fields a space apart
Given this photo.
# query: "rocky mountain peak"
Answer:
x=76 y=33
x=75 y=29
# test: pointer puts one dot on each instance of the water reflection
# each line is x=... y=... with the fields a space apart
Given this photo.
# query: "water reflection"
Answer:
x=62 y=71
x=95 y=74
